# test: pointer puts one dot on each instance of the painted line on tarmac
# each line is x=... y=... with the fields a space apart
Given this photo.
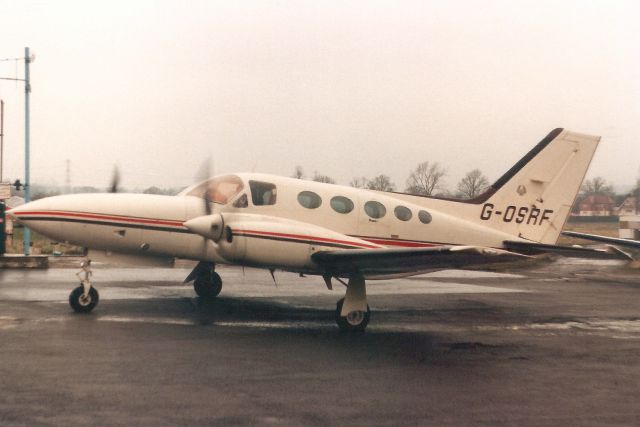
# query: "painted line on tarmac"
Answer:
x=626 y=329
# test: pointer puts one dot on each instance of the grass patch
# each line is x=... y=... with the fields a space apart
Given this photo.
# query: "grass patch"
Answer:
x=40 y=244
x=603 y=228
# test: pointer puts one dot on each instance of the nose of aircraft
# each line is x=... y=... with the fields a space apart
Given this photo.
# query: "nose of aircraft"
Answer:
x=20 y=212
x=10 y=214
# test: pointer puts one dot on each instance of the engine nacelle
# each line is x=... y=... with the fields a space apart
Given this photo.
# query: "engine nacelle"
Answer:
x=265 y=241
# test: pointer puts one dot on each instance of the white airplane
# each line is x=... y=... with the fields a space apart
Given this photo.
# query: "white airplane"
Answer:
x=334 y=231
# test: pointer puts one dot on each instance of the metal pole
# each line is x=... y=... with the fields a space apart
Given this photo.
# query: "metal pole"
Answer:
x=27 y=180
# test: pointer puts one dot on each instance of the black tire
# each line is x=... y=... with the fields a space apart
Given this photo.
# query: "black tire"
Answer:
x=356 y=323
x=208 y=287
x=83 y=305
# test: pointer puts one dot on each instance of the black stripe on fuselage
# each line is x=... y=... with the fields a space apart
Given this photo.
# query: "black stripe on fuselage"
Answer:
x=186 y=231
x=108 y=224
x=304 y=241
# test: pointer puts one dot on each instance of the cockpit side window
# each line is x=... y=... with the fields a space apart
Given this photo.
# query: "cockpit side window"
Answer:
x=241 y=202
x=262 y=193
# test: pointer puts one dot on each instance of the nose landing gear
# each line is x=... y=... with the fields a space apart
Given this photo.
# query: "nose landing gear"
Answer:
x=85 y=297
x=82 y=303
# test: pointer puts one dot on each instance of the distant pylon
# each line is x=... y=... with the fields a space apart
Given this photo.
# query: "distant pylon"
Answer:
x=68 y=177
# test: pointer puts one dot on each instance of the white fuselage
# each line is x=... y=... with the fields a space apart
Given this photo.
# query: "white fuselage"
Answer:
x=279 y=233
x=277 y=222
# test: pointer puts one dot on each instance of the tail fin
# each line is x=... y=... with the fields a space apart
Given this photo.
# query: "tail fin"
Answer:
x=534 y=198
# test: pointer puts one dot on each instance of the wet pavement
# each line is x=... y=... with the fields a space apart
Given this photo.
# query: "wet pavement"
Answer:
x=556 y=344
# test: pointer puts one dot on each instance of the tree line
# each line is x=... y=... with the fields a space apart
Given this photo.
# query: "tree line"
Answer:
x=427 y=179
x=600 y=186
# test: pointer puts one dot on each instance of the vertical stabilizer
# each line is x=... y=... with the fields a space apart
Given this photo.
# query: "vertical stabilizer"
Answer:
x=534 y=198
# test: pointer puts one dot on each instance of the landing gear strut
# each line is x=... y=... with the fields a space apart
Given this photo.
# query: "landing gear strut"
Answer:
x=85 y=297
x=206 y=282
x=352 y=311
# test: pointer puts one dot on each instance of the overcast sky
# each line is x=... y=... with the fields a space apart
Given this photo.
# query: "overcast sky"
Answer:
x=344 y=88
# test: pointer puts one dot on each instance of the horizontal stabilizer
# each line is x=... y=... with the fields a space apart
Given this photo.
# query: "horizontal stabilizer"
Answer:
x=604 y=239
x=532 y=248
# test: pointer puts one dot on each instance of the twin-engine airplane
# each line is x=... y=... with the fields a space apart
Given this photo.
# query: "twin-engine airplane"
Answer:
x=333 y=231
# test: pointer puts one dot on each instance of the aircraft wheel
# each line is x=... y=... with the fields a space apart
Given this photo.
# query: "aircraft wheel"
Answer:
x=355 y=321
x=82 y=304
x=208 y=287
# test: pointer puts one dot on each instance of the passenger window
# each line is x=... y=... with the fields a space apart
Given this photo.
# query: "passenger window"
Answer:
x=403 y=213
x=242 y=202
x=309 y=199
x=262 y=193
x=341 y=204
x=424 y=217
x=375 y=209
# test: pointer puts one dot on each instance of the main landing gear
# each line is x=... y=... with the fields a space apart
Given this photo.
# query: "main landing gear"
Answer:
x=352 y=311
x=206 y=282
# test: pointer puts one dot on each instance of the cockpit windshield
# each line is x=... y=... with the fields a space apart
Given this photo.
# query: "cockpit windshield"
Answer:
x=222 y=189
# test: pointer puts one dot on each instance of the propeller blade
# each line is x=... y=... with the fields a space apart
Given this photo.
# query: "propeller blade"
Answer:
x=203 y=174
x=115 y=180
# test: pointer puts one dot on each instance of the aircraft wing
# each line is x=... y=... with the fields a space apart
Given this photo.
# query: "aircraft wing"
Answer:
x=388 y=262
x=604 y=239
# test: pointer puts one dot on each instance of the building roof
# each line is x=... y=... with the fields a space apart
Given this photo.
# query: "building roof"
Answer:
x=14 y=202
x=598 y=199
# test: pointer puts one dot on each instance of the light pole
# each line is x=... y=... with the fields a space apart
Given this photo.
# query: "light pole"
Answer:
x=27 y=181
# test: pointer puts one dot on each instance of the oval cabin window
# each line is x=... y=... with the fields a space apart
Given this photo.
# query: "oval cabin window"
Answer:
x=341 y=204
x=375 y=209
x=424 y=217
x=309 y=199
x=403 y=213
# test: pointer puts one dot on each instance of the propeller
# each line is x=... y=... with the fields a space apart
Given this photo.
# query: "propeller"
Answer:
x=209 y=226
x=203 y=174
x=115 y=180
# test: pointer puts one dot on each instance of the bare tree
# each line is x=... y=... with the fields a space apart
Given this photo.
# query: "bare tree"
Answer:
x=162 y=191
x=473 y=184
x=322 y=178
x=636 y=194
x=426 y=179
x=597 y=185
x=381 y=183
x=360 y=182
x=298 y=172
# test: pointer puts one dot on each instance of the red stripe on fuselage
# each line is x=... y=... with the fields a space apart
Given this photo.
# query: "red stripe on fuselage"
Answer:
x=171 y=223
x=378 y=242
x=312 y=238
